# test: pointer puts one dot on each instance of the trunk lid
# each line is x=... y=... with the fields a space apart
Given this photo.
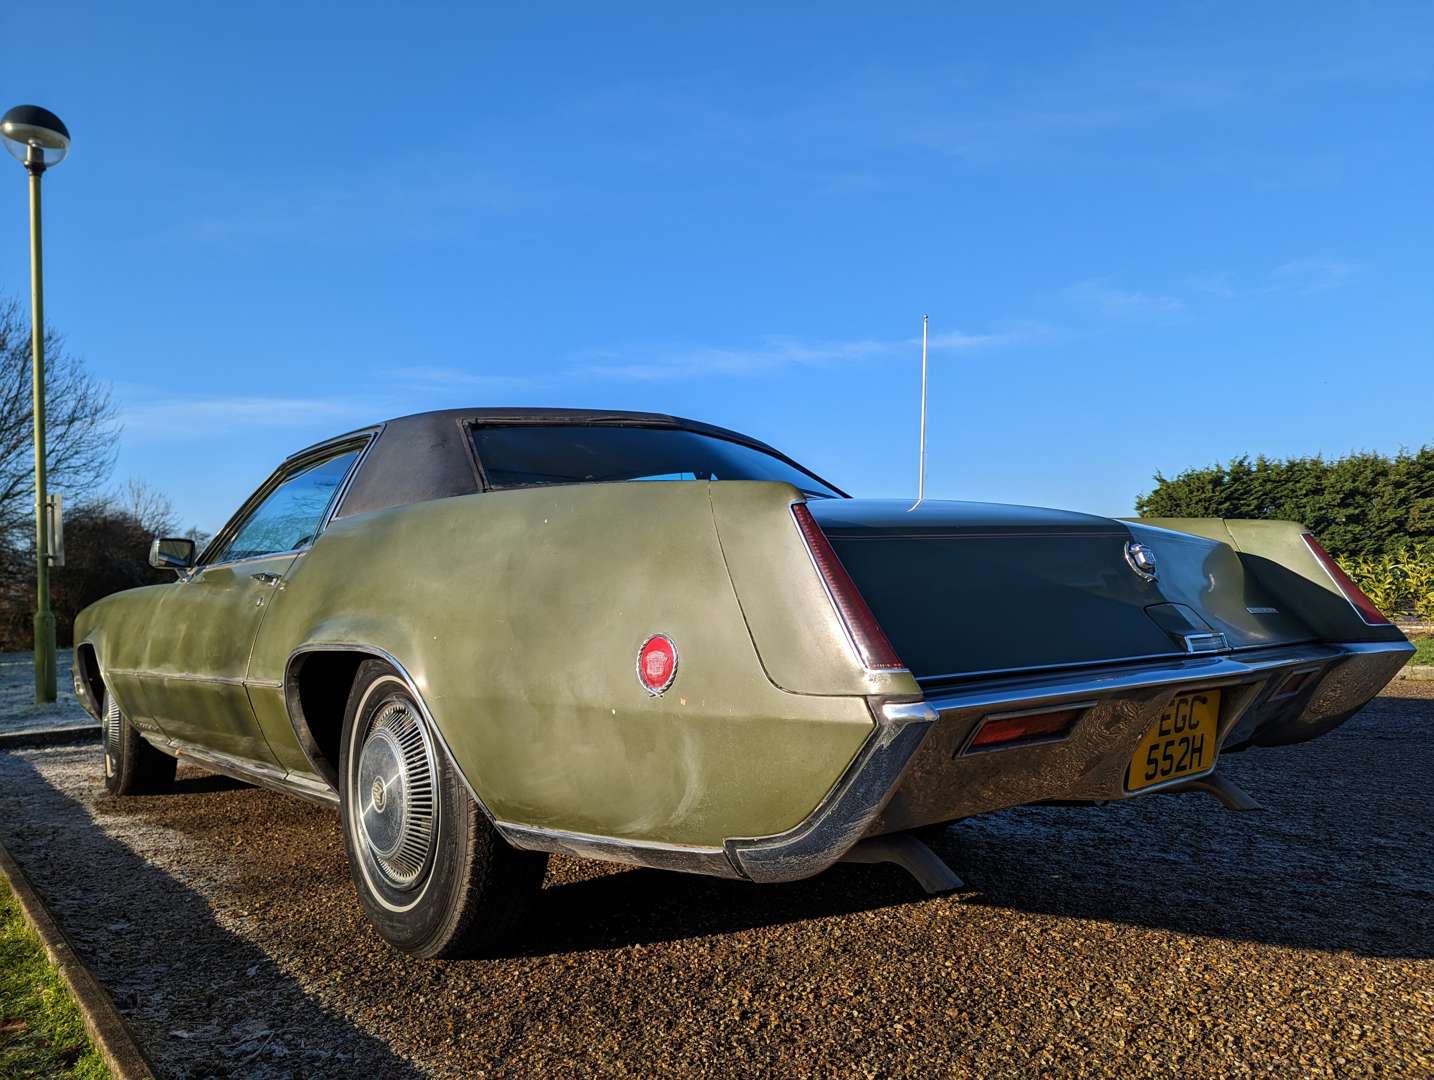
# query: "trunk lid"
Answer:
x=965 y=588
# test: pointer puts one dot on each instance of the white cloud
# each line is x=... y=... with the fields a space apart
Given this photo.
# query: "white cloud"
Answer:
x=1315 y=274
x=1307 y=275
x=775 y=353
x=1099 y=297
x=432 y=376
x=169 y=417
x=957 y=340
x=1217 y=284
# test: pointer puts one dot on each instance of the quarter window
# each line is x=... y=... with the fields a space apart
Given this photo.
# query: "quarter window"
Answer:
x=534 y=455
x=290 y=515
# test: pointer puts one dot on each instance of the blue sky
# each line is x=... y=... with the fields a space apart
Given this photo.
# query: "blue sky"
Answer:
x=1147 y=239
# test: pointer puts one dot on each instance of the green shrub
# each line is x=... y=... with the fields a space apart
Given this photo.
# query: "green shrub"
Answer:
x=1419 y=574
x=1400 y=581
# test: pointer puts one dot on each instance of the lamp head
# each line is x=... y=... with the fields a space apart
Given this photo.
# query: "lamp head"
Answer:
x=35 y=137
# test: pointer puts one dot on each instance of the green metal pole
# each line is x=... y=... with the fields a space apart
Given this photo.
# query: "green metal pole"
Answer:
x=44 y=617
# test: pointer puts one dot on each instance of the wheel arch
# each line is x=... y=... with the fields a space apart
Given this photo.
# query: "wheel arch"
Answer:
x=317 y=682
x=89 y=684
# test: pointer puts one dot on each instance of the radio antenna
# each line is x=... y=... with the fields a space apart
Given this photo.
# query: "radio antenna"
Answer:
x=921 y=438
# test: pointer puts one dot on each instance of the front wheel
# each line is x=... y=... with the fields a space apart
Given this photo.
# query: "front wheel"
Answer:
x=433 y=875
x=132 y=766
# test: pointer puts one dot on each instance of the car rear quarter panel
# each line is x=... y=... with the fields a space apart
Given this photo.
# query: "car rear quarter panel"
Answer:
x=519 y=615
x=1275 y=554
x=802 y=643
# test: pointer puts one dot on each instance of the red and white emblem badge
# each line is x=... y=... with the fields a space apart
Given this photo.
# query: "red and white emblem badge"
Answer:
x=657 y=664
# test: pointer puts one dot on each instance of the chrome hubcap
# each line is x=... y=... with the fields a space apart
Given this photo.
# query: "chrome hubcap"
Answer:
x=398 y=795
x=111 y=734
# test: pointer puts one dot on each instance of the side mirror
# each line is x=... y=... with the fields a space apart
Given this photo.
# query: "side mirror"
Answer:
x=171 y=553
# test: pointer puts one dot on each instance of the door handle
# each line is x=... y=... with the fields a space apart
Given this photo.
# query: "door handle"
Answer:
x=265 y=578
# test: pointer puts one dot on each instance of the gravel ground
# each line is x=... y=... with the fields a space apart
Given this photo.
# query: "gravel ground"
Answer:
x=1161 y=936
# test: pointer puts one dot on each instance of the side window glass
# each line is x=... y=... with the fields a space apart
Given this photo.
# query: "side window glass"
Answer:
x=290 y=515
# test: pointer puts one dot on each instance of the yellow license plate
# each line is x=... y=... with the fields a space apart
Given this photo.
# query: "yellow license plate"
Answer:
x=1181 y=743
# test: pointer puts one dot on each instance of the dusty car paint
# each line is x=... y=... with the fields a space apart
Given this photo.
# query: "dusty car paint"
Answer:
x=518 y=616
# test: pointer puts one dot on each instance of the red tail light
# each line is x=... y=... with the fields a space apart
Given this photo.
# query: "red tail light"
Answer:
x=1361 y=603
x=1032 y=727
x=865 y=632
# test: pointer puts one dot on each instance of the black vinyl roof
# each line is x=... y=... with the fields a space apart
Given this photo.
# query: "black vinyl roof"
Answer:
x=428 y=455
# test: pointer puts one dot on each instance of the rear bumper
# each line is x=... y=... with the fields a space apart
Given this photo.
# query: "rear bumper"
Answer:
x=912 y=772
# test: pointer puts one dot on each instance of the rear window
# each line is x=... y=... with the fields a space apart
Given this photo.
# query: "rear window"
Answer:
x=534 y=455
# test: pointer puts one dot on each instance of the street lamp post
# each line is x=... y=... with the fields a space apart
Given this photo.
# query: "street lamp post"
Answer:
x=38 y=139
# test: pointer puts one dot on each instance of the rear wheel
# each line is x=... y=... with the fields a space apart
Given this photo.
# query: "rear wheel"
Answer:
x=132 y=766
x=433 y=875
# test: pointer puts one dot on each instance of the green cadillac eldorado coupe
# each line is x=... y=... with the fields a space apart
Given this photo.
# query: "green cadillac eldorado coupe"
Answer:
x=486 y=635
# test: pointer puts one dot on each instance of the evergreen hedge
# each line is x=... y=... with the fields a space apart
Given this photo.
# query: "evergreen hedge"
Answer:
x=1364 y=506
x=1373 y=513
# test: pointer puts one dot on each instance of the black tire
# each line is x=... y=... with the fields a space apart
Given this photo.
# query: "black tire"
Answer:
x=132 y=766
x=433 y=875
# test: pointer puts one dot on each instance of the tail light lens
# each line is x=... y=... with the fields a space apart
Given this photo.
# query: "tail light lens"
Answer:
x=862 y=628
x=1361 y=603
x=999 y=731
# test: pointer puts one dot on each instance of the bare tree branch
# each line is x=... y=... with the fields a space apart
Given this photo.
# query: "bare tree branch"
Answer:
x=81 y=427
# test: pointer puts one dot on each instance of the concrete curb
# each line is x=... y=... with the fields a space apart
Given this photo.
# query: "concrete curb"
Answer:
x=1418 y=672
x=106 y=1027
x=56 y=736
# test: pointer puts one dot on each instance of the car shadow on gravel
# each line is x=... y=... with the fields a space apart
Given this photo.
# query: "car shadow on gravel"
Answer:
x=202 y=1001
x=204 y=784
x=1340 y=859
x=625 y=907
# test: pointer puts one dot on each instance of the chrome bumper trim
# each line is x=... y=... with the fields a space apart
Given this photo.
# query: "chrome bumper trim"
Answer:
x=916 y=743
x=849 y=809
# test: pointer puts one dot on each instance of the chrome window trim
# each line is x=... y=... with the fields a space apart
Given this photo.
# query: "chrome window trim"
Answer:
x=320 y=451
x=469 y=426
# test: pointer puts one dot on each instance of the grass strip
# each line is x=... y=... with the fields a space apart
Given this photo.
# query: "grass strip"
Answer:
x=41 y=1032
x=1423 y=651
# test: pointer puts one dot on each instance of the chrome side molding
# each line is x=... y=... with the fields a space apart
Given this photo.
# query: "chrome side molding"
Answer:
x=687 y=859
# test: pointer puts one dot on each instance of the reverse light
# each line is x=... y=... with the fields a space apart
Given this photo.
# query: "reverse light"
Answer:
x=866 y=635
x=1361 y=603
x=1293 y=684
x=1002 y=731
